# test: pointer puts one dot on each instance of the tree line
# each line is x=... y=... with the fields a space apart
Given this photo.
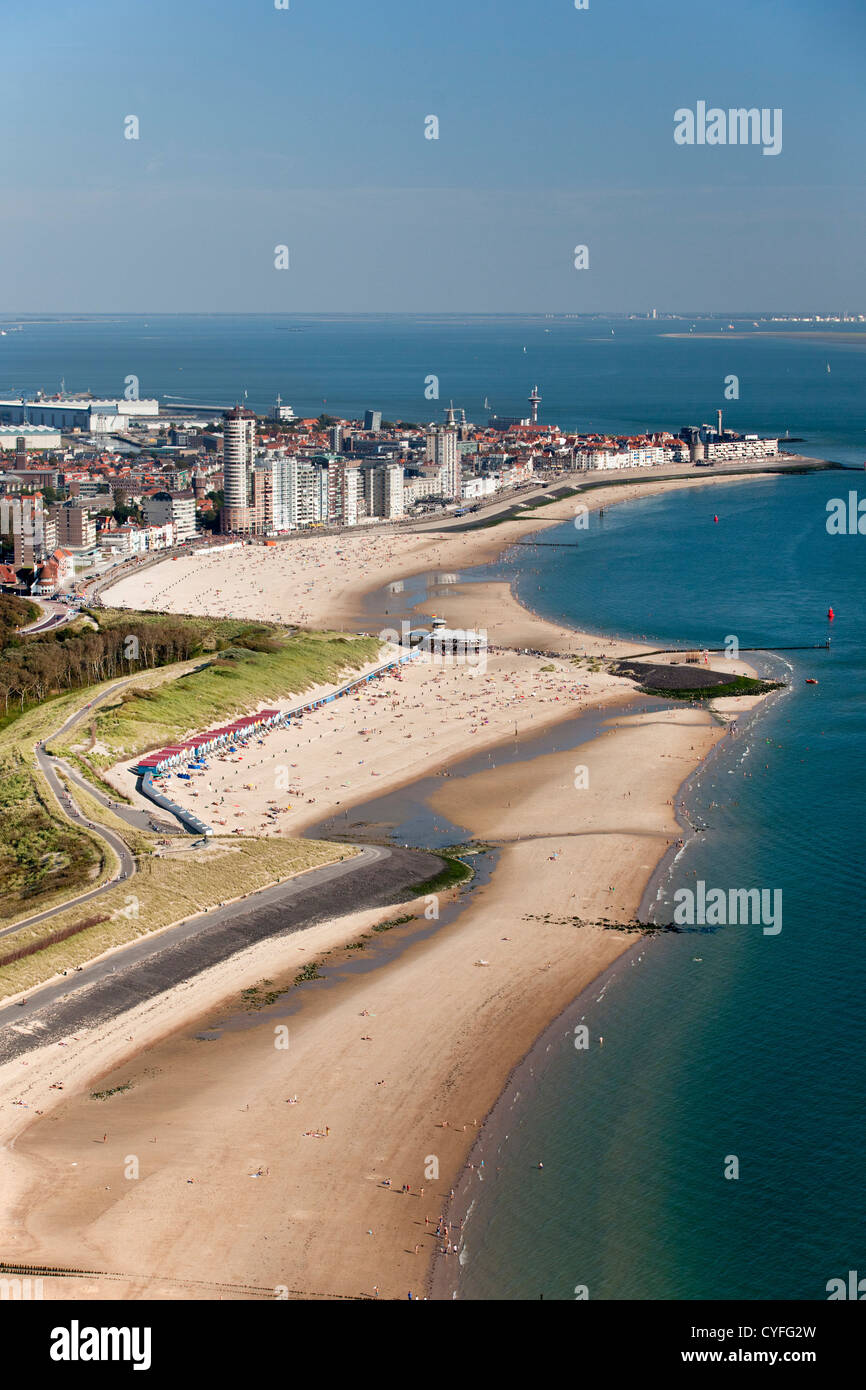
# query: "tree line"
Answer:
x=41 y=666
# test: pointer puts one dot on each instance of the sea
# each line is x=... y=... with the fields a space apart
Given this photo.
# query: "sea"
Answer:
x=623 y=375
x=711 y=1147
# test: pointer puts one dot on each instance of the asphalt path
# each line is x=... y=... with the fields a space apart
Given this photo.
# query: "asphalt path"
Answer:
x=139 y=820
x=48 y=765
x=516 y=508
x=127 y=860
x=101 y=991
x=53 y=615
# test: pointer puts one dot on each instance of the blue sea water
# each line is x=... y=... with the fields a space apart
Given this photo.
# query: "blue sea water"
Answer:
x=619 y=375
x=756 y=1048
x=731 y=1043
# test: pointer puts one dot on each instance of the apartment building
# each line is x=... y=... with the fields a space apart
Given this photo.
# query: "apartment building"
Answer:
x=172 y=508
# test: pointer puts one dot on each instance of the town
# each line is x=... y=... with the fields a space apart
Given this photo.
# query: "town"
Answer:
x=87 y=484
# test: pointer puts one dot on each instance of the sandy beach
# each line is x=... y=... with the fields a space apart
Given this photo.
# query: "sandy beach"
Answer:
x=398 y=1054
x=322 y=581
x=395 y=1092
x=399 y=728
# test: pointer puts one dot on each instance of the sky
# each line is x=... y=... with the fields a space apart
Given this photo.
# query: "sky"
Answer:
x=305 y=128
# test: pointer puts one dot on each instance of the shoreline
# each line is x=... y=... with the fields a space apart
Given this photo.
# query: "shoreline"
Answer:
x=519 y=858
x=321 y=582
x=603 y=493
x=416 y=970
x=745 y=719
x=444 y=1277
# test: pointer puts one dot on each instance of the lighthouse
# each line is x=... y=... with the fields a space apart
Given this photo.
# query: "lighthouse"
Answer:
x=535 y=402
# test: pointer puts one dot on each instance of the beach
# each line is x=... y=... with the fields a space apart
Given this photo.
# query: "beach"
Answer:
x=391 y=732
x=395 y=1065
x=322 y=581
x=400 y=1088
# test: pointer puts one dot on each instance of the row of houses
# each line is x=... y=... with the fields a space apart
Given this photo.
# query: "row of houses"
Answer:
x=642 y=453
x=209 y=742
x=238 y=732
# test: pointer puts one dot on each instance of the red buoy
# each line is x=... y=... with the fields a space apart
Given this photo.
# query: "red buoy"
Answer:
x=715 y=518
x=830 y=614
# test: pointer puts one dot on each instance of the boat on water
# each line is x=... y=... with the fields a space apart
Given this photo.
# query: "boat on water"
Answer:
x=810 y=680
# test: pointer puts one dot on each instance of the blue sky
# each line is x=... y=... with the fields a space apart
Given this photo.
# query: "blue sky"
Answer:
x=305 y=127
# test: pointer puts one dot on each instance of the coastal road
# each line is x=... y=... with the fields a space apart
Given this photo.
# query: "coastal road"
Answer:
x=54 y=615
x=518 y=508
x=139 y=820
x=99 y=992
x=49 y=766
x=127 y=860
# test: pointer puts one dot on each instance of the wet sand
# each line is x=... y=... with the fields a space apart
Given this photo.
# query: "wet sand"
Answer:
x=400 y=1089
x=394 y=1067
